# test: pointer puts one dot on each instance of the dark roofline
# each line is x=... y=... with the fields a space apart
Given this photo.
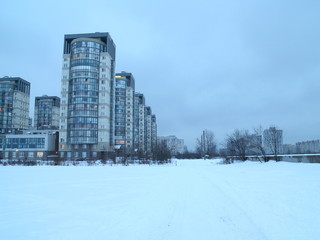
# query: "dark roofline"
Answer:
x=102 y=36
x=129 y=77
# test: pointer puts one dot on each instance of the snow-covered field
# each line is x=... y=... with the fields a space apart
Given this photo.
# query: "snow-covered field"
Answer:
x=196 y=199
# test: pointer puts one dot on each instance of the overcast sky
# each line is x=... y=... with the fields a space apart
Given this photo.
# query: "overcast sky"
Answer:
x=206 y=64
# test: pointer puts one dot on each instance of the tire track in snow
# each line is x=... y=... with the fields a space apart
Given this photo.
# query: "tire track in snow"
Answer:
x=233 y=207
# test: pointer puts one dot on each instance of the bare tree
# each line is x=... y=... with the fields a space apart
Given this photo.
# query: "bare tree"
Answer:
x=238 y=144
x=256 y=144
x=272 y=138
x=161 y=153
x=206 y=145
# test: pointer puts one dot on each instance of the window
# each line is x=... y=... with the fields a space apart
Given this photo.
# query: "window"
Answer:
x=39 y=154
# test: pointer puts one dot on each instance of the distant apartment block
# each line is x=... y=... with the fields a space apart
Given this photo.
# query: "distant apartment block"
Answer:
x=124 y=111
x=14 y=104
x=140 y=128
x=154 y=132
x=87 y=96
x=148 y=130
x=273 y=137
x=289 y=149
x=174 y=144
x=308 y=146
x=46 y=112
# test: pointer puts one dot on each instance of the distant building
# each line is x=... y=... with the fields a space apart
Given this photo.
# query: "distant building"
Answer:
x=154 y=132
x=14 y=104
x=148 y=130
x=273 y=140
x=29 y=145
x=46 y=112
x=124 y=111
x=289 y=149
x=308 y=146
x=139 y=125
x=174 y=144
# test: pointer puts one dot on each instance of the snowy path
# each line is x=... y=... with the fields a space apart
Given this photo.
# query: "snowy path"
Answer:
x=194 y=200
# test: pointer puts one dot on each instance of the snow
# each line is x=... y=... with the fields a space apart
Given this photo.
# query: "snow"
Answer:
x=193 y=199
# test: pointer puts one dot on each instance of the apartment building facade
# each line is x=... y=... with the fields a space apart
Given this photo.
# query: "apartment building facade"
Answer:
x=174 y=144
x=87 y=96
x=14 y=104
x=46 y=112
x=124 y=112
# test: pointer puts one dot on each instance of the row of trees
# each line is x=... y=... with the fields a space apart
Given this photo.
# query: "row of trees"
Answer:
x=242 y=143
x=206 y=145
x=239 y=144
x=160 y=154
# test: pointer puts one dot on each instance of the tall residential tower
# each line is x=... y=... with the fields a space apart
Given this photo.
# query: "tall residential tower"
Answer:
x=124 y=112
x=87 y=96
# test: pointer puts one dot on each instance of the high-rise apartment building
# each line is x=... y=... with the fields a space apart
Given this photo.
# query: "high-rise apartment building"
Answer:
x=46 y=112
x=14 y=104
x=124 y=111
x=87 y=96
x=153 y=132
x=148 y=130
x=139 y=125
